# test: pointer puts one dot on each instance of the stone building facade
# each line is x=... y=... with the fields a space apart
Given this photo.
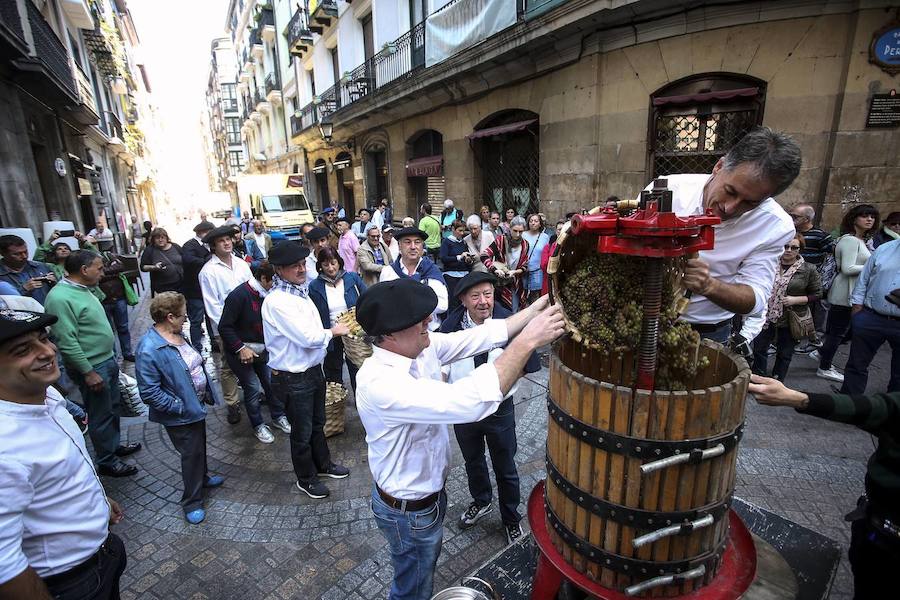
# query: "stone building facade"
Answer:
x=575 y=101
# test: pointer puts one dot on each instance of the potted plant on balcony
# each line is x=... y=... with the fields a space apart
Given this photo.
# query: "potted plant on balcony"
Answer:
x=317 y=100
x=389 y=48
x=345 y=78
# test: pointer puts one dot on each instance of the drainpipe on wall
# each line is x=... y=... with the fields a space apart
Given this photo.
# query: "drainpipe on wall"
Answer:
x=822 y=189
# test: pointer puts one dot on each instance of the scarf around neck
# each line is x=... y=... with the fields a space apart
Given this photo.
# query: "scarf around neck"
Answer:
x=293 y=289
x=776 y=300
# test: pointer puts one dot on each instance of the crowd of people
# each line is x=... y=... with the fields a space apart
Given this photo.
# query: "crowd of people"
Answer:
x=455 y=309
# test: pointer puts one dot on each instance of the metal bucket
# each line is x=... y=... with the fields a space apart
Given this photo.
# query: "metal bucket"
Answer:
x=462 y=592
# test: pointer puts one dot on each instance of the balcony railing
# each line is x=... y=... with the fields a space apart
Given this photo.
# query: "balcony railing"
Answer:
x=113 y=125
x=85 y=91
x=298 y=35
x=272 y=82
x=50 y=50
x=258 y=99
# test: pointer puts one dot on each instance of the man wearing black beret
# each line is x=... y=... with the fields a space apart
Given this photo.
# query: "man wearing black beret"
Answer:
x=297 y=344
x=316 y=239
x=405 y=406
x=413 y=264
x=476 y=294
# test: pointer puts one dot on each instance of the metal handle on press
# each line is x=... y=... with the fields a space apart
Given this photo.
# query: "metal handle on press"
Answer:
x=634 y=590
x=672 y=530
x=676 y=459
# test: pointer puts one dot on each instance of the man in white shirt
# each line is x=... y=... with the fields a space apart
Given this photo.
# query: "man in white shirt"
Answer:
x=54 y=515
x=736 y=277
x=297 y=343
x=387 y=236
x=364 y=223
x=413 y=264
x=261 y=237
x=219 y=276
x=405 y=407
x=102 y=236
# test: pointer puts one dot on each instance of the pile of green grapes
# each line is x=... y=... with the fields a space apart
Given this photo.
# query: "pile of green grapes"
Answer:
x=603 y=296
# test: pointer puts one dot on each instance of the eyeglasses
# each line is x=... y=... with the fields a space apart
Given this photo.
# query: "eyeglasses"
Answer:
x=793 y=216
x=790 y=247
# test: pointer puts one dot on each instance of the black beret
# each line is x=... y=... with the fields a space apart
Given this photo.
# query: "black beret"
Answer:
x=222 y=231
x=286 y=253
x=203 y=226
x=473 y=279
x=408 y=231
x=392 y=306
x=364 y=210
x=317 y=233
x=14 y=323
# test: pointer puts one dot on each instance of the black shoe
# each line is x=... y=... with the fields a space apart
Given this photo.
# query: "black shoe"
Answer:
x=234 y=415
x=119 y=470
x=128 y=357
x=314 y=489
x=335 y=471
x=513 y=533
x=126 y=449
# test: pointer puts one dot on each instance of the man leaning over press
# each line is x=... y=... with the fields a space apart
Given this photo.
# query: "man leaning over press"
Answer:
x=405 y=407
x=736 y=277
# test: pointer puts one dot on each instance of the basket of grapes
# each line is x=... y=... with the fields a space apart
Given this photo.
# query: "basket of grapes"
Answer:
x=601 y=298
x=355 y=346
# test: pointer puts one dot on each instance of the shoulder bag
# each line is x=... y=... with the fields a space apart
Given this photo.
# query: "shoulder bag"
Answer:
x=801 y=323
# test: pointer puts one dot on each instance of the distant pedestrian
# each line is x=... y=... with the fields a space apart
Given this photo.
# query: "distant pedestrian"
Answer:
x=537 y=239
x=348 y=244
x=432 y=228
x=173 y=382
x=448 y=216
x=387 y=236
x=162 y=259
x=55 y=536
x=102 y=236
x=456 y=259
x=135 y=232
x=373 y=256
x=194 y=255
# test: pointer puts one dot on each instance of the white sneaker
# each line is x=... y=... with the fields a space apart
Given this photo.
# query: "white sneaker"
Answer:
x=282 y=424
x=814 y=355
x=832 y=374
x=264 y=434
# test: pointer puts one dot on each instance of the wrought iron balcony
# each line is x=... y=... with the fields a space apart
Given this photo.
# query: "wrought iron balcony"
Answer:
x=321 y=13
x=299 y=37
x=265 y=23
x=51 y=52
x=86 y=113
x=113 y=126
x=272 y=82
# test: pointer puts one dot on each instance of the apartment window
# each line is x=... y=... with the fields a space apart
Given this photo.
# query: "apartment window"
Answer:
x=228 y=92
x=417 y=12
x=233 y=130
x=235 y=161
x=368 y=36
x=335 y=65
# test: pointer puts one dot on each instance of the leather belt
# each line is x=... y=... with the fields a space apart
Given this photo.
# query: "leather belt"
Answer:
x=408 y=505
x=709 y=327
x=882 y=315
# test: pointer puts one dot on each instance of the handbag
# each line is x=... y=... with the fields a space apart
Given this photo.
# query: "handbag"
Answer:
x=131 y=404
x=131 y=297
x=801 y=324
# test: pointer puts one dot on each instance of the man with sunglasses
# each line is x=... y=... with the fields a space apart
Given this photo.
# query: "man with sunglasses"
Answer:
x=819 y=245
x=54 y=521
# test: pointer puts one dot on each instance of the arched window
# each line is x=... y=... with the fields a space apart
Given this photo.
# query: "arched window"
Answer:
x=507 y=148
x=322 y=183
x=343 y=171
x=696 y=120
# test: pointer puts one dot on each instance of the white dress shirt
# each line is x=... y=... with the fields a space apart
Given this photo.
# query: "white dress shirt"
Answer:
x=217 y=280
x=394 y=247
x=53 y=511
x=406 y=407
x=293 y=331
x=389 y=274
x=747 y=248
x=311 y=270
x=377 y=218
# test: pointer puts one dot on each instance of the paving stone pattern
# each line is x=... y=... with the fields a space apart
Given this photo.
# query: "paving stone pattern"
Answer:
x=263 y=539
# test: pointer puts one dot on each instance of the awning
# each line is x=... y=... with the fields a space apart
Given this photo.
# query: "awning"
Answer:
x=295 y=181
x=318 y=169
x=500 y=129
x=341 y=163
x=428 y=166
x=706 y=96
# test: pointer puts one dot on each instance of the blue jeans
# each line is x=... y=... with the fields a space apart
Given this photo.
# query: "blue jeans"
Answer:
x=499 y=431
x=870 y=331
x=103 y=409
x=254 y=379
x=117 y=313
x=303 y=395
x=414 y=539
x=196 y=315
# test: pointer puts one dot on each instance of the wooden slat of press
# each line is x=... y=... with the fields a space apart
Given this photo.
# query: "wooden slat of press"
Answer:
x=729 y=460
x=710 y=474
x=568 y=447
x=670 y=476
x=585 y=465
x=553 y=433
x=573 y=456
x=650 y=488
x=605 y=399
x=640 y=416
x=616 y=492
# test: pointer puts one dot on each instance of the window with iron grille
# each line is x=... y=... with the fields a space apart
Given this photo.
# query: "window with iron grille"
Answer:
x=510 y=163
x=235 y=161
x=696 y=120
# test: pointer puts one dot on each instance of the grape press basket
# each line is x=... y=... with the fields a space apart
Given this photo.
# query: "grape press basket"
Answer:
x=640 y=478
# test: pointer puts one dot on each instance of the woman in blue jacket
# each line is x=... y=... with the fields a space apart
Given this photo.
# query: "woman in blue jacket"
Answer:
x=333 y=292
x=173 y=383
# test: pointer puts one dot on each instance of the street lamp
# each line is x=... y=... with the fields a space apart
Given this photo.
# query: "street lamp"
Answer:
x=326 y=130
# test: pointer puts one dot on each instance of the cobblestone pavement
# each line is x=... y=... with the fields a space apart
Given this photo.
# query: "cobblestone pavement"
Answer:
x=263 y=539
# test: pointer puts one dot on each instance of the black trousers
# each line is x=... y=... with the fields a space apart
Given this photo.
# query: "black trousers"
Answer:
x=100 y=581
x=874 y=557
x=499 y=431
x=334 y=364
x=303 y=395
x=836 y=327
x=784 y=346
x=190 y=442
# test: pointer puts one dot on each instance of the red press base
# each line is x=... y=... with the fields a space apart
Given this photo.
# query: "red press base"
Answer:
x=735 y=574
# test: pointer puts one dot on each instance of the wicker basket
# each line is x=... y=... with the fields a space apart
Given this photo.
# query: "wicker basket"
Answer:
x=355 y=347
x=335 y=399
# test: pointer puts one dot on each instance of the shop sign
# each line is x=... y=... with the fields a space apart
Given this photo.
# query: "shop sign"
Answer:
x=84 y=187
x=884 y=50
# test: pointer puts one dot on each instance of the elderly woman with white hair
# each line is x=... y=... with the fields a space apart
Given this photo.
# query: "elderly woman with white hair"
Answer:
x=478 y=240
x=448 y=215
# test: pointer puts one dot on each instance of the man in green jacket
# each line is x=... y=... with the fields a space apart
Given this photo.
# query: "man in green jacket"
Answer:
x=85 y=341
x=875 y=532
x=432 y=227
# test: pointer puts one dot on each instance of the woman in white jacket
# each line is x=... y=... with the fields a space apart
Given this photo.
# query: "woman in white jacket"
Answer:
x=850 y=254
